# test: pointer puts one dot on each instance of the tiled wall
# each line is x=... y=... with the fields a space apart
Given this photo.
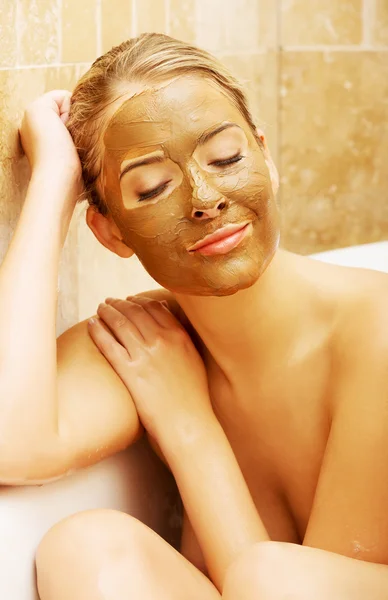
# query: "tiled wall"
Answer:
x=333 y=122
x=317 y=77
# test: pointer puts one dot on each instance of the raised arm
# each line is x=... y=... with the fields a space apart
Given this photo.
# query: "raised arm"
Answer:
x=53 y=417
x=160 y=366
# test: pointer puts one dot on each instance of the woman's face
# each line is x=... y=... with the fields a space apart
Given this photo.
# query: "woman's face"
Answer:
x=180 y=162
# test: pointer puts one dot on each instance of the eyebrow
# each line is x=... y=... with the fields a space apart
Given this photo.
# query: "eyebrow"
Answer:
x=142 y=161
x=205 y=137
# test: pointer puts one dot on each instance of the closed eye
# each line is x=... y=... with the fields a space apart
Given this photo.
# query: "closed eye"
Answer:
x=228 y=161
x=153 y=193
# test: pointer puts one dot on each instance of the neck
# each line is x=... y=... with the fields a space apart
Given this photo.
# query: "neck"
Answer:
x=239 y=326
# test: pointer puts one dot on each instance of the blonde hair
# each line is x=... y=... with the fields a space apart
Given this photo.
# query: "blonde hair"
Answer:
x=149 y=58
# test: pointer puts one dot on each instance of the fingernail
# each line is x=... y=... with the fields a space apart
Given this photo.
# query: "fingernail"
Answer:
x=102 y=305
x=92 y=321
x=110 y=299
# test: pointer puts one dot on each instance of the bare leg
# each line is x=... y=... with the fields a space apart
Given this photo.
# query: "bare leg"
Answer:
x=106 y=554
x=276 y=571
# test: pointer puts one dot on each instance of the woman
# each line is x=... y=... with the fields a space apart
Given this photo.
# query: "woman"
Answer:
x=294 y=351
x=118 y=557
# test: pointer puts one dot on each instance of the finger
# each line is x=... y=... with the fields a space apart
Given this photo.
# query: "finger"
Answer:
x=158 y=309
x=107 y=344
x=123 y=329
x=65 y=109
x=58 y=96
x=142 y=319
x=66 y=104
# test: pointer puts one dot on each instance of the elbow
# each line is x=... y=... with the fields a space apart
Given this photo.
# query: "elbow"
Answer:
x=33 y=464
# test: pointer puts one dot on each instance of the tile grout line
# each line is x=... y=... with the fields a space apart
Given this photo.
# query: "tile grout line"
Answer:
x=196 y=21
x=334 y=48
x=253 y=52
x=18 y=40
x=279 y=28
x=368 y=14
x=134 y=18
x=59 y=29
x=98 y=27
x=46 y=66
x=167 y=18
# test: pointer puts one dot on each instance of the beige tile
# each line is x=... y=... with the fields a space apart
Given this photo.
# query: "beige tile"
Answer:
x=38 y=31
x=211 y=34
x=116 y=25
x=79 y=32
x=309 y=22
x=7 y=34
x=63 y=78
x=80 y=69
x=19 y=88
x=182 y=24
x=259 y=75
x=228 y=26
x=268 y=24
x=334 y=148
x=380 y=30
x=151 y=16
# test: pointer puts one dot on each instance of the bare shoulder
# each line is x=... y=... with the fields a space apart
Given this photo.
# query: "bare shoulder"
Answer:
x=90 y=390
x=76 y=341
x=364 y=306
x=77 y=353
x=348 y=289
x=77 y=338
x=88 y=383
x=355 y=302
x=362 y=317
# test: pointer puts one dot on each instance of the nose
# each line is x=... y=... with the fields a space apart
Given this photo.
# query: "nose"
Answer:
x=207 y=201
x=208 y=212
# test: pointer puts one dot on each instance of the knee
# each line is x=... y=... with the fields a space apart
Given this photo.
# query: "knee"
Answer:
x=90 y=538
x=91 y=553
x=267 y=570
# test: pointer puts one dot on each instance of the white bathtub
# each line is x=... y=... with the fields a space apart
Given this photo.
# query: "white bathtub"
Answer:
x=27 y=513
x=368 y=256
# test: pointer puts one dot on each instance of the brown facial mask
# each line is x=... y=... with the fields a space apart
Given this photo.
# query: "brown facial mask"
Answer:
x=192 y=182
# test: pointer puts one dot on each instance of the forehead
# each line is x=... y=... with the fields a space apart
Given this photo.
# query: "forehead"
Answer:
x=186 y=106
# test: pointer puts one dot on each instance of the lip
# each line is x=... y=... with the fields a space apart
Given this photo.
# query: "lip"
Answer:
x=222 y=240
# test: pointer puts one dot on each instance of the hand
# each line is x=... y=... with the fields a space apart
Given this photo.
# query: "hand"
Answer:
x=157 y=361
x=45 y=138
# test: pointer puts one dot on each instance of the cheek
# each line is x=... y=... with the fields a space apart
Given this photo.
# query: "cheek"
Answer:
x=161 y=224
x=250 y=184
x=251 y=188
x=229 y=183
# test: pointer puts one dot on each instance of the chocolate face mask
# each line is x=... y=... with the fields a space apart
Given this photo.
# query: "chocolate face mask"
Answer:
x=180 y=162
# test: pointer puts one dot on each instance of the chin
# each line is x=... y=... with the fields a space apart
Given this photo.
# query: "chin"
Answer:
x=235 y=279
x=229 y=277
x=244 y=281
x=243 y=277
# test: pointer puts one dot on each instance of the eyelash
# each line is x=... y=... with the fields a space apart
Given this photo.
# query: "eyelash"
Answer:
x=218 y=163
x=153 y=193
x=228 y=161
